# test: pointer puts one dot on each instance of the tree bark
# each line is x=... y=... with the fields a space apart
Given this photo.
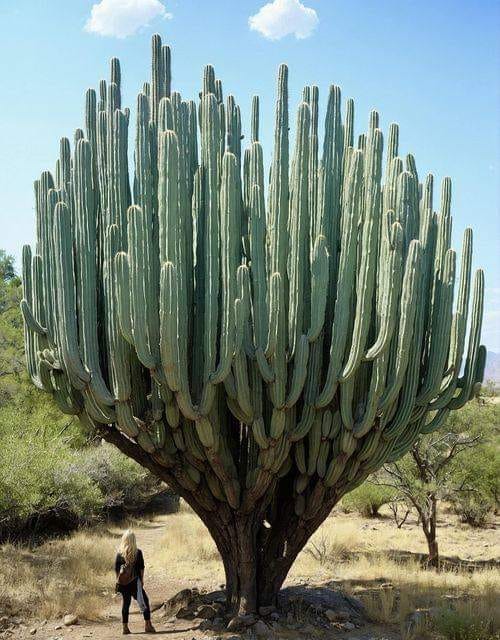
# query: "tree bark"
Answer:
x=432 y=533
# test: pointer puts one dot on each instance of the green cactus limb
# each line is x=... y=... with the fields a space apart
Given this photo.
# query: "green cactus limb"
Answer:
x=229 y=263
x=406 y=323
x=346 y=279
x=319 y=287
x=299 y=229
x=388 y=292
x=366 y=276
x=137 y=289
x=467 y=381
x=66 y=293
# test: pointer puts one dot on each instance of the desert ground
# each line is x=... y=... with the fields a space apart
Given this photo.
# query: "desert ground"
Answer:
x=368 y=559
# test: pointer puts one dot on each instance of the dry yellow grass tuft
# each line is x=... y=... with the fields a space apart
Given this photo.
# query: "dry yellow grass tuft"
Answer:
x=58 y=577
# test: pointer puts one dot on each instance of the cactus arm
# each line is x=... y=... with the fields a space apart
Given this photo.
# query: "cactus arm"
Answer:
x=346 y=280
x=366 y=275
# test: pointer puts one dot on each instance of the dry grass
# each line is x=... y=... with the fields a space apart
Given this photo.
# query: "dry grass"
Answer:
x=187 y=551
x=348 y=551
x=352 y=552
x=58 y=577
x=355 y=555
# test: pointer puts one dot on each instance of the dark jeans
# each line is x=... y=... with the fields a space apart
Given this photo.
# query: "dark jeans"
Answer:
x=128 y=592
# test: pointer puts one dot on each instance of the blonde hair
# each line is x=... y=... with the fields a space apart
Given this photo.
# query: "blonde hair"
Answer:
x=128 y=546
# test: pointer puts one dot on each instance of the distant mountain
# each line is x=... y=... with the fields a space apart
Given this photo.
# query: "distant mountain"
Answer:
x=492 y=370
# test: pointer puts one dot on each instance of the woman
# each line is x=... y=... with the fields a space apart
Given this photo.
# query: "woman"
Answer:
x=129 y=568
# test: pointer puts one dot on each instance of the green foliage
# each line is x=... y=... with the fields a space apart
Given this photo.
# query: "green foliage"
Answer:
x=37 y=477
x=460 y=465
x=7 y=271
x=368 y=498
x=120 y=480
x=47 y=466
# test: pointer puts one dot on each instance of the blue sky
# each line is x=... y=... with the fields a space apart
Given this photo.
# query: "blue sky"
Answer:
x=431 y=66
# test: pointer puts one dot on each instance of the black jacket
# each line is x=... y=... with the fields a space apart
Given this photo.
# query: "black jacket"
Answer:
x=137 y=568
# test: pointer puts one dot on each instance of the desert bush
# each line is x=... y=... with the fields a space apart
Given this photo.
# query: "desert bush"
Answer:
x=472 y=508
x=37 y=478
x=50 y=481
x=122 y=482
x=476 y=482
x=367 y=499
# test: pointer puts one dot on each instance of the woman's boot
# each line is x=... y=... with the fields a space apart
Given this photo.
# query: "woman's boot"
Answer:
x=148 y=627
x=126 y=630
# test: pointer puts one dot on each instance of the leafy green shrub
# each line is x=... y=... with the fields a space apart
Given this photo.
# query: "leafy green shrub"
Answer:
x=472 y=509
x=36 y=477
x=476 y=480
x=367 y=499
x=48 y=479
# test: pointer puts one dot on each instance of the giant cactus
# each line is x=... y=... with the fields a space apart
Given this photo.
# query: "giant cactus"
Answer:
x=262 y=347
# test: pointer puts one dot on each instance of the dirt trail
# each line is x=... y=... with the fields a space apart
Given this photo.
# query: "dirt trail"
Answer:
x=158 y=586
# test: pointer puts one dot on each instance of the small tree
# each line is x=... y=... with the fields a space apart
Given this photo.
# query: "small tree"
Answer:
x=436 y=467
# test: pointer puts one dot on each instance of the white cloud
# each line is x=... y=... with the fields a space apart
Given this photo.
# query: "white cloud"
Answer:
x=284 y=17
x=122 y=18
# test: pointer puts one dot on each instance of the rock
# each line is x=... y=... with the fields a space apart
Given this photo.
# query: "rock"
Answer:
x=206 y=611
x=261 y=629
x=180 y=600
x=186 y=613
x=32 y=631
x=266 y=611
x=348 y=626
x=239 y=623
x=57 y=627
x=70 y=619
x=204 y=625
x=337 y=616
x=320 y=599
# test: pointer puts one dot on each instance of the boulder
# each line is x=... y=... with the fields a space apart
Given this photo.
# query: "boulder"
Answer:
x=239 y=623
x=70 y=619
x=261 y=629
x=337 y=616
x=207 y=612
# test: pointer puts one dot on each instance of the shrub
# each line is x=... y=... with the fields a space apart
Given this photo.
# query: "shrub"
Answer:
x=367 y=499
x=51 y=482
x=472 y=509
x=122 y=482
